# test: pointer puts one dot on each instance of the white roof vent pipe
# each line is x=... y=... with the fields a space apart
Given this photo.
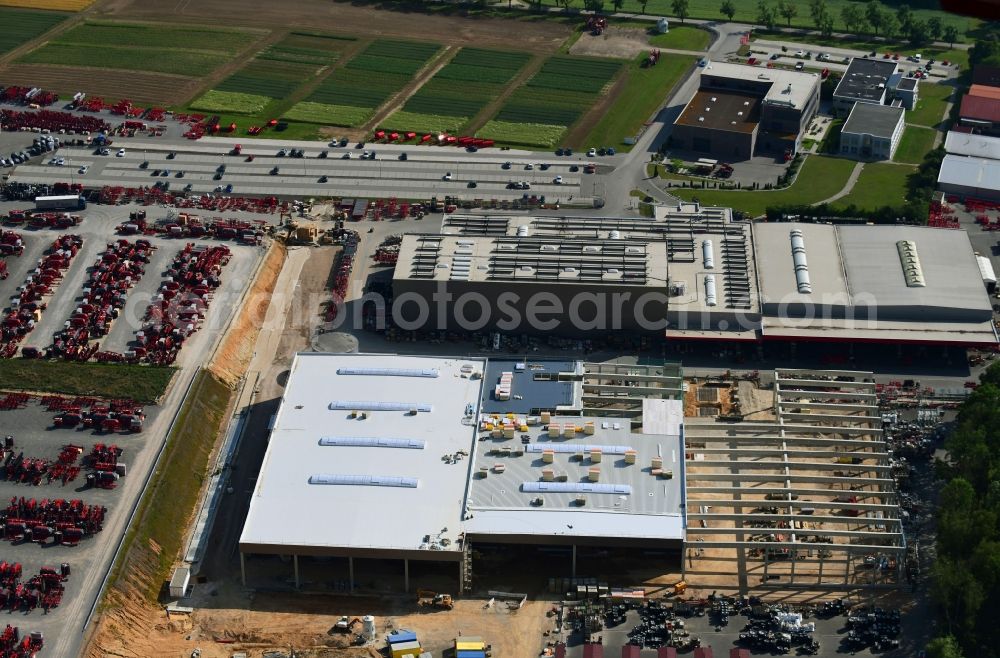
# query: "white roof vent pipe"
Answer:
x=800 y=262
x=706 y=254
x=615 y=235
x=711 y=298
x=523 y=231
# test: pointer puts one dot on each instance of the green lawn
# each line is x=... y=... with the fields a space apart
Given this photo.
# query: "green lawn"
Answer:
x=23 y=25
x=746 y=12
x=142 y=383
x=953 y=55
x=682 y=37
x=880 y=184
x=931 y=101
x=820 y=178
x=645 y=89
x=915 y=144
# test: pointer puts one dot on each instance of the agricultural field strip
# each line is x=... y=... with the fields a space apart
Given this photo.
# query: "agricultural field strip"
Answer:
x=459 y=91
x=364 y=83
x=21 y=26
x=131 y=46
x=274 y=73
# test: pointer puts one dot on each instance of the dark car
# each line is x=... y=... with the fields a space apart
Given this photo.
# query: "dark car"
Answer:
x=274 y=171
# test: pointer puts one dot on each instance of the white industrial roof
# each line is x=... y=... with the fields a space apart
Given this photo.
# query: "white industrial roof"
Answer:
x=977 y=146
x=372 y=502
x=627 y=500
x=979 y=173
x=772 y=244
x=792 y=88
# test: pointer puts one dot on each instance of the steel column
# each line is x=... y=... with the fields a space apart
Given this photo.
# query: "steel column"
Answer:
x=406 y=575
x=243 y=568
x=350 y=574
x=295 y=561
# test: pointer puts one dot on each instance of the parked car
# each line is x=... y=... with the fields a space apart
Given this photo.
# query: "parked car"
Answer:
x=558 y=180
x=82 y=170
x=447 y=176
x=120 y=153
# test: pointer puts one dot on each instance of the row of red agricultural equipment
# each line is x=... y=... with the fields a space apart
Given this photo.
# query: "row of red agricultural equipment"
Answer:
x=41 y=220
x=200 y=125
x=63 y=521
x=105 y=292
x=11 y=244
x=86 y=412
x=123 y=107
x=16 y=95
x=392 y=208
x=53 y=122
x=155 y=196
x=45 y=589
x=387 y=253
x=27 y=307
x=941 y=216
x=342 y=276
x=179 y=308
x=101 y=463
x=440 y=139
x=12 y=645
x=186 y=225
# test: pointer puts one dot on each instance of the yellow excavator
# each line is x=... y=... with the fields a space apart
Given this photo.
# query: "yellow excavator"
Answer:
x=432 y=599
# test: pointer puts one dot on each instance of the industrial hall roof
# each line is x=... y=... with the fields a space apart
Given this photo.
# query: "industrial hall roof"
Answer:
x=790 y=88
x=722 y=110
x=865 y=79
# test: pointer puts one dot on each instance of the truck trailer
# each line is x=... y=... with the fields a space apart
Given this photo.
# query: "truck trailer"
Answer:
x=64 y=202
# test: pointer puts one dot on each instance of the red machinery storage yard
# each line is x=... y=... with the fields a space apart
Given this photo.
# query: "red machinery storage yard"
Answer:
x=73 y=468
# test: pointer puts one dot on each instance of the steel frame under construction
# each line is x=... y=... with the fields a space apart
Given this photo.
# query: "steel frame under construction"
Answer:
x=804 y=501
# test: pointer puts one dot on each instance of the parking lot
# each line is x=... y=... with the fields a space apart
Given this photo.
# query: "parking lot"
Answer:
x=31 y=425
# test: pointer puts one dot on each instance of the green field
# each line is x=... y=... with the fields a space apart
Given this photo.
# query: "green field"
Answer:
x=880 y=184
x=645 y=89
x=231 y=102
x=307 y=48
x=191 y=51
x=820 y=178
x=746 y=12
x=424 y=123
x=524 y=134
x=915 y=144
x=682 y=37
x=141 y=383
x=23 y=25
x=459 y=91
x=586 y=74
x=328 y=115
x=931 y=102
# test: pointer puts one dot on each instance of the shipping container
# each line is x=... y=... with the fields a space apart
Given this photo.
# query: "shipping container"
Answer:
x=401 y=636
x=63 y=202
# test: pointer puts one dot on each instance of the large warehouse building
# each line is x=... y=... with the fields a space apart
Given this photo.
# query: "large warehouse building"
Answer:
x=742 y=111
x=419 y=459
x=733 y=280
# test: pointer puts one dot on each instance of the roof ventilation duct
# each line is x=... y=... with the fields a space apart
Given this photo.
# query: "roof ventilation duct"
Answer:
x=800 y=262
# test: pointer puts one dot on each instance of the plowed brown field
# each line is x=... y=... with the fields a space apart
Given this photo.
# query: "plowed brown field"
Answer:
x=152 y=88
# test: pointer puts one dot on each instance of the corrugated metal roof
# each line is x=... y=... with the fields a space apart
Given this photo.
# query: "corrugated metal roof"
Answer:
x=980 y=109
x=983 y=91
x=977 y=146
x=970 y=172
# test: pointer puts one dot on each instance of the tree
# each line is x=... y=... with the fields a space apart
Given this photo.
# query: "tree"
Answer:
x=728 y=9
x=852 y=16
x=826 y=26
x=617 y=4
x=950 y=34
x=596 y=6
x=643 y=3
x=819 y=13
x=934 y=27
x=876 y=15
x=919 y=32
x=905 y=16
x=766 y=15
x=680 y=8
x=788 y=10
x=944 y=647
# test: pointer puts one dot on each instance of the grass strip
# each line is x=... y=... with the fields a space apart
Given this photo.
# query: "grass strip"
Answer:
x=140 y=383
x=157 y=533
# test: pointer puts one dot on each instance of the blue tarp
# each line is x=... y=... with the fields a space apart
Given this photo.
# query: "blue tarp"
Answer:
x=401 y=636
x=470 y=654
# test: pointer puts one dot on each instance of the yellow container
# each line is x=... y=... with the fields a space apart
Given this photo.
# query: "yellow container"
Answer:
x=470 y=646
x=657 y=462
x=595 y=456
x=594 y=474
x=546 y=417
x=548 y=474
x=548 y=456
x=630 y=456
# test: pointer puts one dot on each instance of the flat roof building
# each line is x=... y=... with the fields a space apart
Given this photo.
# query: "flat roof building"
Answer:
x=412 y=458
x=981 y=113
x=513 y=282
x=872 y=132
x=971 y=145
x=968 y=176
x=871 y=284
x=740 y=111
x=865 y=81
